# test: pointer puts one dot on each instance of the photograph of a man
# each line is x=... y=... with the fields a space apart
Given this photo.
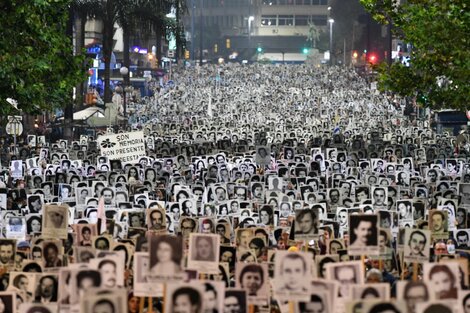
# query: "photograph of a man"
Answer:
x=417 y=245
x=363 y=234
x=306 y=223
x=7 y=252
x=235 y=301
x=346 y=274
x=293 y=273
x=438 y=224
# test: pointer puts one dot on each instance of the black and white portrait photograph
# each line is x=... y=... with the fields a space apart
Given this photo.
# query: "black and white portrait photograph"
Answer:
x=204 y=253
x=306 y=224
x=55 y=221
x=166 y=255
x=24 y=284
x=293 y=271
x=144 y=285
x=104 y=302
x=111 y=267
x=346 y=274
x=16 y=227
x=417 y=245
x=214 y=292
x=443 y=279
x=263 y=155
x=379 y=196
x=253 y=278
x=52 y=253
x=7 y=252
x=156 y=219
x=438 y=224
x=185 y=297
x=413 y=293
x=363 y=234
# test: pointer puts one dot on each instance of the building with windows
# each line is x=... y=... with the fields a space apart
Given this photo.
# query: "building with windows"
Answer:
x=245 y=26
x=291 y=17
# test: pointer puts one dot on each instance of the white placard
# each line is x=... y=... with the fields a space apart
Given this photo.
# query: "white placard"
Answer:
x=126 y=147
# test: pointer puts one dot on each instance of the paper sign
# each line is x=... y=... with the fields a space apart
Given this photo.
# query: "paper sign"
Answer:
x=126 y=147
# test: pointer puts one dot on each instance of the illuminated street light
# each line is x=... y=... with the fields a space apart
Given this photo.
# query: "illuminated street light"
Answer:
x=331 y=21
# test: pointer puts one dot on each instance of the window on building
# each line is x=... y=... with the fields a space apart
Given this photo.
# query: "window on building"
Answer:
x=301 y=20
x=286 y=20
x=319 y=20
x=268 y=20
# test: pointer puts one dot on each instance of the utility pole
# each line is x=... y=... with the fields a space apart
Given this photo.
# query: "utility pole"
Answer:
x=193 y=11
x=201 y=56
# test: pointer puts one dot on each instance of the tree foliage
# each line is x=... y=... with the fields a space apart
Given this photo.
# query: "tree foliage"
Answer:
x=440 y=59
x=37 y=65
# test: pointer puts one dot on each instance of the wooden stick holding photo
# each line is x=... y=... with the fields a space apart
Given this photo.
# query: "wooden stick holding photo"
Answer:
x=363 y=262
x=291 y=307
x=141 y=304
x=415 y=271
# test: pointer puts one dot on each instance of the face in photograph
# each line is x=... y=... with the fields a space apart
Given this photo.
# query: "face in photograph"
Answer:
x=379 y=196
x=292 y=269
x=7 y=251
x=165 y=255
x=438 y=221
x=251 y=277
x=157 y=219
x=188 y=226
x=55 y=217
x=414 y=293
x=244 y=237
x=306 y=222
x=462 y=237
x=442 y=281
x=417 y=243
x=235 y=301
x=346 y=274
x=204 y=249
x=186 y=300
x=342 y=217
x=363 y=230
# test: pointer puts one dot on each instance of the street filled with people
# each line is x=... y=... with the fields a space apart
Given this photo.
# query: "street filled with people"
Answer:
x=241 y=188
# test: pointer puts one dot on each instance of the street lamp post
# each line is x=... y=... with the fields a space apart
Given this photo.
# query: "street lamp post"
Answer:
x=124 y=72
x=331 y=21
x=250 y=20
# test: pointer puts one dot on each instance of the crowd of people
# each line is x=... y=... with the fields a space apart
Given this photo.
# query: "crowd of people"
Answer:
x=258 y=188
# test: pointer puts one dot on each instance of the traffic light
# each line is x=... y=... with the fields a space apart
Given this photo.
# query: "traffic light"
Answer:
x=259 y=49
x=305 y=50
x=186 y=54
x=354 y=55
x=216 y=48
x=372 y=58
x=227 y=43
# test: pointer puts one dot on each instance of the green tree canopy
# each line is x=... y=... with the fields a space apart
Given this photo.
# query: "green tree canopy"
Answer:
x=37 y=66
x=440 y=59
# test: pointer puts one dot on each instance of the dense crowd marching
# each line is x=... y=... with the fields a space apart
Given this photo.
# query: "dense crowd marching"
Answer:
x=263 y=188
